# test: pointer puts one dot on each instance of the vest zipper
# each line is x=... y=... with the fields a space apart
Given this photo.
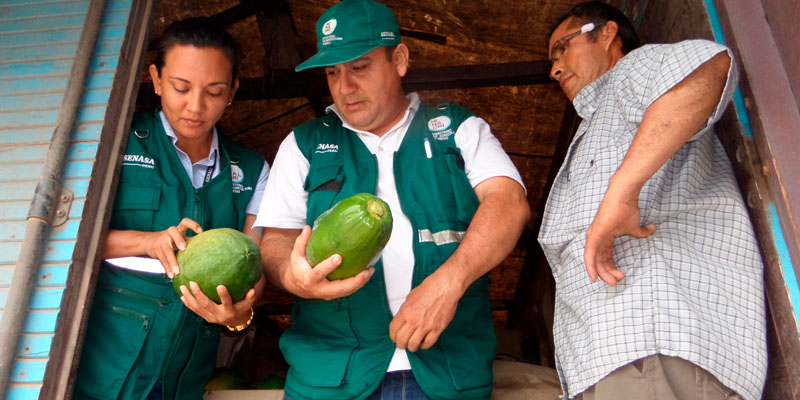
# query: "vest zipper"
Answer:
x=128 y=312
x=136 y=295
x=178 y=326
x=375 y=190
x=196 y=214
x=414 y=230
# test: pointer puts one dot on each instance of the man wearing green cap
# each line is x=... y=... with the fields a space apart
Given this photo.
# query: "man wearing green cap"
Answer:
x=418 y=323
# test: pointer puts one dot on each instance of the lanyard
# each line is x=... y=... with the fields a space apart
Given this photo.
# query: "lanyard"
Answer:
x=210 y=170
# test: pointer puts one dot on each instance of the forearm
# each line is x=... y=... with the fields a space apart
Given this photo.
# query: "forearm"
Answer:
x=249 y=219
x=124 y=243
x=276 y=248
x=670 y=122
x=492 y=234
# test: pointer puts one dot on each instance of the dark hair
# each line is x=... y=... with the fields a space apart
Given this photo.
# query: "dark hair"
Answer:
x=198 y=32
x=599 y=13
x=390 y=52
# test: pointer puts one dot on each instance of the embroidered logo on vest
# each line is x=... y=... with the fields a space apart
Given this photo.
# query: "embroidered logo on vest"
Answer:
x=138 y=161
x=439 y=127
x=326 y=148
x=237 y=176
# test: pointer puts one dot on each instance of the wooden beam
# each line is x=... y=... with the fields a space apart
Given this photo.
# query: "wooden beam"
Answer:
x=775 y=120
x=428 y=37
x=534 y=298
x=239 y=12
x=278 y=36
x=292 y=85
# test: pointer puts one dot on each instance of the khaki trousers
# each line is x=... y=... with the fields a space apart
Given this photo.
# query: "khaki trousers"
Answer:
x=659 y=377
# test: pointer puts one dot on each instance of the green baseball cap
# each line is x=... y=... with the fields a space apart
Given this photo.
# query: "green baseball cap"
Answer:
x=349 y=30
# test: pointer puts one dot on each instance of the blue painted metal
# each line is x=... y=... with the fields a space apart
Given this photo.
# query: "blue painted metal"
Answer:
x=57 y=21
x=37 y=152
x=35 y=346
x=43 y=298
x=777 y=232
x=37 y=134
x=10 y=41
x=13 y=210
x=76 y=169
x=12 y=230
x=91 y=112
x=39 y=322
x=49 y=100
x=786 y=262
x=38 y=40
x=54 y=67
x=51 y=84
x=29 y=371
x=49 y=275
x=65 y=50
x=22 y=393
x=738 y=99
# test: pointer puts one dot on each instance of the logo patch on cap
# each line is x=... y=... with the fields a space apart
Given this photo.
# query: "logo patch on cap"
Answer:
x=329 y=26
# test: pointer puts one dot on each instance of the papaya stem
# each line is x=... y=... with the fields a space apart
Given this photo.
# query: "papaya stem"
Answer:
x=376 y=209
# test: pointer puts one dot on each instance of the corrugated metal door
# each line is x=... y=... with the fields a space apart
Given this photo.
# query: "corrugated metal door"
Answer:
x=38 y=40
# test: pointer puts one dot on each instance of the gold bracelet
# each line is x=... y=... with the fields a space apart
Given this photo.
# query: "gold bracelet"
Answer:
x=239 y=328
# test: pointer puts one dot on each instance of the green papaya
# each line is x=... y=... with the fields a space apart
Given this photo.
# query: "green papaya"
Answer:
x=225 y=379
x=357 y=228
x=271 y=382
x=221 y=256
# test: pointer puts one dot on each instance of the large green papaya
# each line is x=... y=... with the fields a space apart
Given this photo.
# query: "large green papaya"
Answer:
x=221 y=256
x=357 y=228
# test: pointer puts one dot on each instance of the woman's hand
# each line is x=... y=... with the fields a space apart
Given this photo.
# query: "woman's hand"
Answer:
x=163 y=244
x=228 y=313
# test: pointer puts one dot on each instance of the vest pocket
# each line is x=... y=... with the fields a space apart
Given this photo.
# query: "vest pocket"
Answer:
x=323 y=184
x=112 y=344
x=463 y=207
x=201 y=363
x=135 y=206
x=469 y=340
x=320 y=342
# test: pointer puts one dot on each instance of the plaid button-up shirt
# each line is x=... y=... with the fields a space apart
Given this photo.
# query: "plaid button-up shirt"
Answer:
x=693 y=289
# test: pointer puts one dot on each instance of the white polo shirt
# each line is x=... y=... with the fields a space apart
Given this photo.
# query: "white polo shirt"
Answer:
x=285 y=200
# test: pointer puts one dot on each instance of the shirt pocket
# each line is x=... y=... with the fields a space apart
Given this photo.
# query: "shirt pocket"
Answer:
x=320 y=342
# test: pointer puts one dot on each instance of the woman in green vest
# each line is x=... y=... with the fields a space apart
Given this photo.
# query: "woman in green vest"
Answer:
x=178 y=178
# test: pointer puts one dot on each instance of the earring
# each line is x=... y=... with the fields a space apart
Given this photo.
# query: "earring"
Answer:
x=229 y=104
x=157 y=94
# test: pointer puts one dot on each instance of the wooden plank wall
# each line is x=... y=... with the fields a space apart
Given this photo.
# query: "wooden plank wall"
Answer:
x=38 y=39
x=669 y=21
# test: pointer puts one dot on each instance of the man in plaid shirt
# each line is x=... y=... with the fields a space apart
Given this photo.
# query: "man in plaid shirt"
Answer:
x=646 y=200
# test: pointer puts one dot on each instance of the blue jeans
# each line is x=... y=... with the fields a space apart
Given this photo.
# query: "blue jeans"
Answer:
x=396 y=385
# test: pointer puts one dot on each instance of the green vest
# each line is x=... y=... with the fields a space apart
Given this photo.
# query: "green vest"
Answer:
x=139 y=331
x=340 y=349
x=155 y=193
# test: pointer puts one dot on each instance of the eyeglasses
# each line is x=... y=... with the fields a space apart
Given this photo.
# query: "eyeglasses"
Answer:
x=561 y=45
